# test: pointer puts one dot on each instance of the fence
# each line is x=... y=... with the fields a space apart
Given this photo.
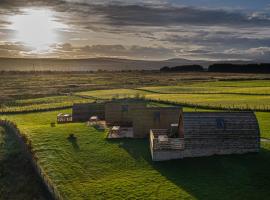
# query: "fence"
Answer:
x=28 y=151
x=170 y=144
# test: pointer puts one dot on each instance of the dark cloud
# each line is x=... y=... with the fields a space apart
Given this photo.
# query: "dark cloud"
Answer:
x=162 y=29
x=13 y=49
x=171 y=16
x=224 y=39
x=151 y=14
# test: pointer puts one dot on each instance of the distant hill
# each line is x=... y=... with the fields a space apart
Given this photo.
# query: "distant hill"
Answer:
x=93 y=64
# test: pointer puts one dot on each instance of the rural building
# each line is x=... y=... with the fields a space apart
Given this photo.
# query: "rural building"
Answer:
x=83 y=112
x=121 y=112
x=154 y=118
x=173 y=133
x=137 y=118
x=205 y=134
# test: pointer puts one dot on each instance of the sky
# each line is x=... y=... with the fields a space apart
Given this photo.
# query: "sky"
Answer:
x=136 y=29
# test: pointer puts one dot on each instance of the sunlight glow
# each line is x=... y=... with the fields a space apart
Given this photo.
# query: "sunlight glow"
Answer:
x=36 y=28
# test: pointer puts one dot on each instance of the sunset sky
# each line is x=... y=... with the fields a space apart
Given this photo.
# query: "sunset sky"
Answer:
x=136 y=29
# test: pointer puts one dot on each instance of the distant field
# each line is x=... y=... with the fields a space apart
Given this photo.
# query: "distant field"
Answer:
x=114 y=93
x=215 y=94
x=16 y=86
x=45 y=103
x=217 y=101
x=18 y=180
x=253 y=95
x=204 y=88
x=94 y=168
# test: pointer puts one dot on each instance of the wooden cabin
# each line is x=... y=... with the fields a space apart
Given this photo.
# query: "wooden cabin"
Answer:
x=210 y=133
x=154 y=118
x=121 y=112
x=83 y=112
x=139 y=117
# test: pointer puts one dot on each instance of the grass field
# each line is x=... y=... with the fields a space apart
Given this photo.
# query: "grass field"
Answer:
x=226 y=88
x=215 y=101
x=254 y=95
x=16 y=86
x=92 y=167
x=45 y=103
x=17 y=177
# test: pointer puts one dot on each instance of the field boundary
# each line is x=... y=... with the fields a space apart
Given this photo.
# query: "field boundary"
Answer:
x=190 y=105
x=30 y=154
x=183 y=104
x=208 y=107
x=204 y=93
x=34 y=110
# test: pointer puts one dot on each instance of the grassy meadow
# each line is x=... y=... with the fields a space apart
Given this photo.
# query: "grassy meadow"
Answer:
x=17 y=177
x=92 y=167
x=253 y=95
x=42 y=104
x=27 y=85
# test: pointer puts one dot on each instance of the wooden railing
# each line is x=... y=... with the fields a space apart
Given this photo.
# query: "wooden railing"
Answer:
x=170 y=144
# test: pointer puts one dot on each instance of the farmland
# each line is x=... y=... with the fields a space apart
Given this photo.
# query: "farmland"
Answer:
x=92 y=167
x=41 y=104
x=23 y=85
x=243 y=95
x=254 y=95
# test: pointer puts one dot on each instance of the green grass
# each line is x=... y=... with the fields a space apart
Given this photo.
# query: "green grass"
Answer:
x=241 y=83
x=215 y=101
x=93 y=167
x=115 y=93
x=264 y=122
x=208 y=89
x=16 y=86
x=255 y=102
x=254 y=95
x=45 y=103
x=17 y=177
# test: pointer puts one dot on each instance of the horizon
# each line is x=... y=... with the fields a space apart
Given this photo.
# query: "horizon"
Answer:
x=136 y=30
x=134 y=99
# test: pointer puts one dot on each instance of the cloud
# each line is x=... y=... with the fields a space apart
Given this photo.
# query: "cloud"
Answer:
x=138 y=52
x=146 y=30
x=222 y=39
x=156 y=14
x=13 y=49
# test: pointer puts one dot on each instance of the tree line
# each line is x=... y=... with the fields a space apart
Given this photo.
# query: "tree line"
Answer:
x=222 y=67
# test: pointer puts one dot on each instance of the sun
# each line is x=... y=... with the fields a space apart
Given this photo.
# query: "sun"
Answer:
x=36 y=28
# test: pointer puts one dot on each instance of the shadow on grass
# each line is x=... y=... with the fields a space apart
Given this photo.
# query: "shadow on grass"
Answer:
x=73 y=140
x=18 y=179
x=217 y=177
